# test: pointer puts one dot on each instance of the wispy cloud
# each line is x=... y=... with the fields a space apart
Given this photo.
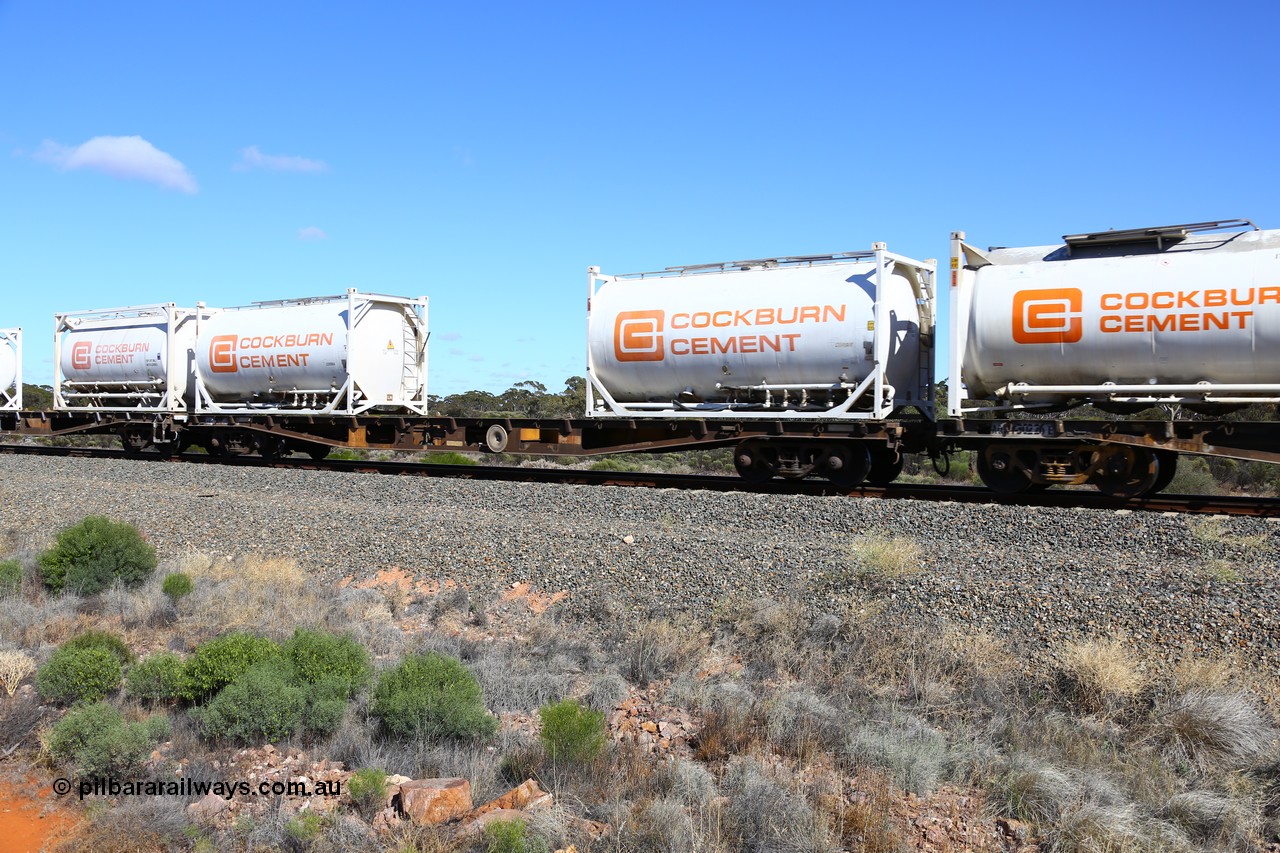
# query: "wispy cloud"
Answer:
x=312 y=234
x=252 y=158
x=121 y=157
x=451 y=336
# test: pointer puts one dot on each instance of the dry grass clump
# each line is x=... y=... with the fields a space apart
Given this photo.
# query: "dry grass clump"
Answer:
x=915 y=755
x=1102 y=828
x=1037 y=791
x=1213 y=819
x=1099 y=674
x=1213 y=730
x=133 y=825
x=659 y=648
x=19 y=718
x=41 y=620
x=268 y=596
x=801 y=723
x=888 y=557
x=765 y=815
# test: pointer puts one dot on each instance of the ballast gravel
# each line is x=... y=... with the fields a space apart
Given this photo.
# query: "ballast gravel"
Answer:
x=1172 y=584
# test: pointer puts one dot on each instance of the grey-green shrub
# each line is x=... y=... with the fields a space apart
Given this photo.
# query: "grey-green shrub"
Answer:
x=96 y=740
x=222 y=660
x=156 y=678
x=262 y=704
x=571 y=732
x=104 y=640
x=90 y=556
x=78 y=675
x=431 y=696
x=318 y=655
x=10 y=577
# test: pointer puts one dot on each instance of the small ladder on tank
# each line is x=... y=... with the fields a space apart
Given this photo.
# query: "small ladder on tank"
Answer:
x=410 y=356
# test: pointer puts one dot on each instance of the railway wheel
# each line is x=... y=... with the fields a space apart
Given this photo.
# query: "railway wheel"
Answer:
x=1168 y=468
x=846 y=464
x=318 y=451
x=495 y=438
x=1000 y=472
x=886 y=465
x=750 y=462
x=1127 y=472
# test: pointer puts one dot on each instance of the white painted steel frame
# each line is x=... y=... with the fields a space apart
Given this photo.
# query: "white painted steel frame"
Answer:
x=12 y=401
x=167 y=394
x=964 y=260
x=882 y=393
x=346 y=400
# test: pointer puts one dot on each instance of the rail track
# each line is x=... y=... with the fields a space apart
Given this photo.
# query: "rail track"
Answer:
x=1262 y=507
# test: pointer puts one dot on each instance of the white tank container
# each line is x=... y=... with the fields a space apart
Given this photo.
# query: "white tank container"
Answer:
x=1192 y=320
x=125 y=358
x=791 y=332
x=10 y=362
x=343 y=353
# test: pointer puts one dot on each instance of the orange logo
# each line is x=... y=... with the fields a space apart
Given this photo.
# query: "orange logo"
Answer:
x=1048 y=316
x=222 y=354
x=637 y=336
x=80 y=351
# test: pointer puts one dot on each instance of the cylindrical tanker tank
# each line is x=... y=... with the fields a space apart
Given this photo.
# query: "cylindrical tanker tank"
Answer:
x=342 y=353
x=794 y=334
x=1172 y=315
x=124 y=358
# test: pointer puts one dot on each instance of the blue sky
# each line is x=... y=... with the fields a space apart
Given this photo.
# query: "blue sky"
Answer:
x=485 y=154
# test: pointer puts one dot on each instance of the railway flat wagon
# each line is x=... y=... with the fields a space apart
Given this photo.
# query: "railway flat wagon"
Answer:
x=1181 y=319
x=841 y=342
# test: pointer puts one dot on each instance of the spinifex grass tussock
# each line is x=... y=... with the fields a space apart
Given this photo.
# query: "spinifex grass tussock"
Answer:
x=875 y=556
x=1100 y=675
x=1213 y=730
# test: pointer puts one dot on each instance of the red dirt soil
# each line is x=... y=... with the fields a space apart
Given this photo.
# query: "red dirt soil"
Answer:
x=30 y=820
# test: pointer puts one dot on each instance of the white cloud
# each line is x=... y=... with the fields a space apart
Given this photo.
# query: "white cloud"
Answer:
x=451 y=336
x=120 y=157
x=312 y=234
x=252 y=158
x=477 y=358
x=456 y=351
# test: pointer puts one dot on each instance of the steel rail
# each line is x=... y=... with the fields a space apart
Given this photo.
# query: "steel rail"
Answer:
x=1262 y=507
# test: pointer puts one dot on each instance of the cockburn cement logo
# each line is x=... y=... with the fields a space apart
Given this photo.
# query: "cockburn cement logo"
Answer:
x=84 y=355
x=80 y=353
x=230 y=353
x=637 y=336
x=1057 y=316
x=657 y=335
x=1048 y=316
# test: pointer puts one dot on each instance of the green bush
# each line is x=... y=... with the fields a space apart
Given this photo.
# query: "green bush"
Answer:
x=104 y=640
x=156 y=678
x=89 y=556
x=261 y=705
x=571 y=732
x=96 y=740
x=78 y=675
x=368 y=790
x=326 y=704
x=512 y=836
x=318 y=656
x=176 y=585
x=431 y=696
x=10 y=577
x=222 y=660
